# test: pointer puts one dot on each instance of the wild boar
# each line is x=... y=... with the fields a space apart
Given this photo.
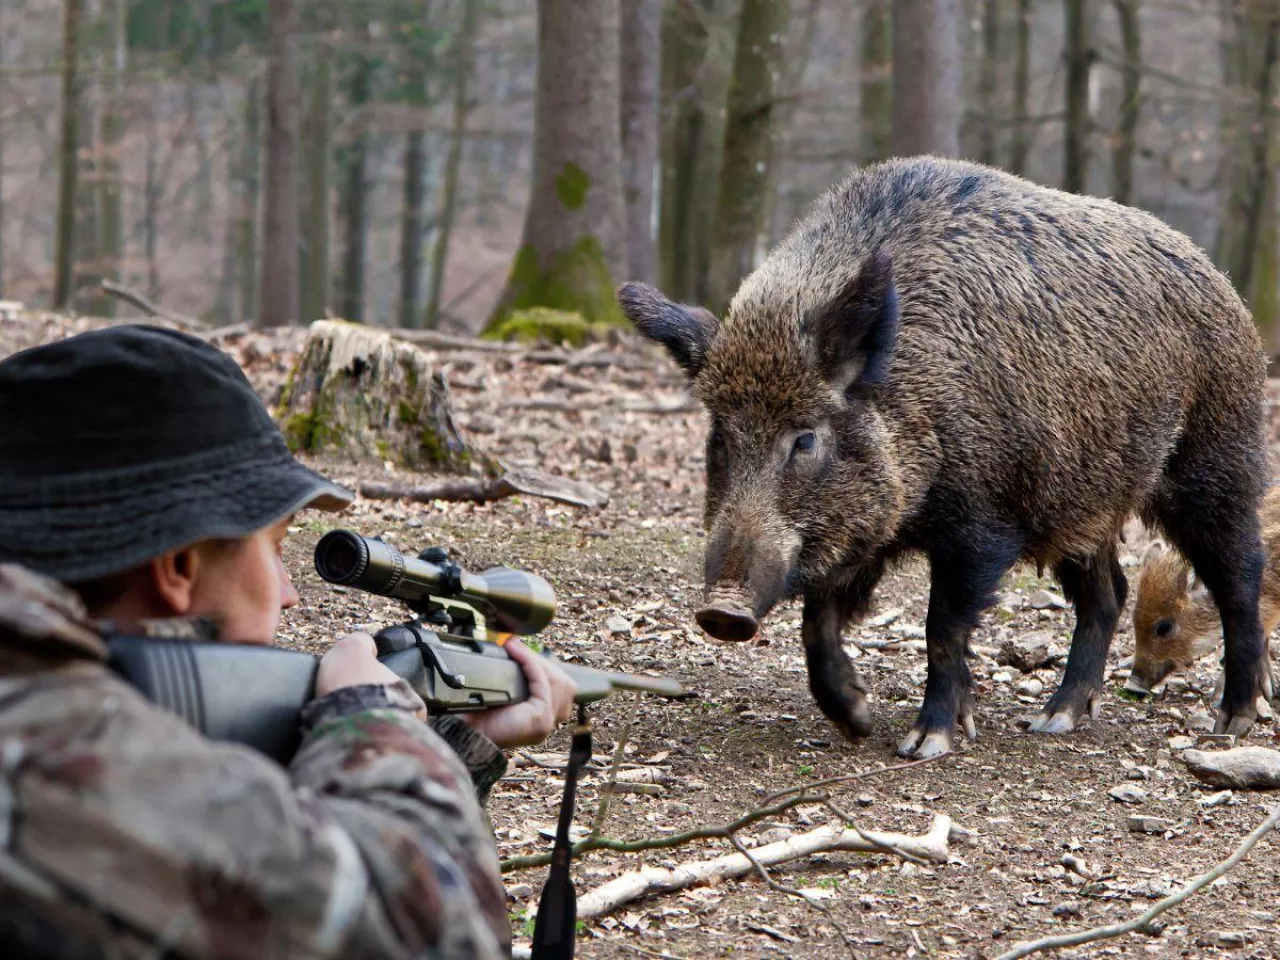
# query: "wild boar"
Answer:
x=945 y=359
x=1175 y=621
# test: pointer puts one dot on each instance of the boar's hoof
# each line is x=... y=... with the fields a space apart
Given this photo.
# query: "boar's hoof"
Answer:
x=725 y=622
x=856 y=722
x=1137 y=687
x=921 y=744
x=1062 y=714
x=1237 y=722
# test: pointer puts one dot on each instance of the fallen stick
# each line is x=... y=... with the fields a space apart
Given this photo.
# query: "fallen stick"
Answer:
x=932 y=846
x=435 y=340
x=129 y=296
x=486 y=490
x=1140 y=921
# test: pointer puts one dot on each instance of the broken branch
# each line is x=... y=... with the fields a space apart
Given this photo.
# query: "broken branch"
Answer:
x=133 y=297
x=1137 y=923
x=485 y=490
x=931 y=846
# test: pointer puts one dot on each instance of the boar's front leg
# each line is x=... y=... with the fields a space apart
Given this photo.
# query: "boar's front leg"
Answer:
x=840 y=693
x=1098 y=592
x=964 y=575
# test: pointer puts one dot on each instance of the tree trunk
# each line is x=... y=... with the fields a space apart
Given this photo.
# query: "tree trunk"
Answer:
x=247 y=189
x=152 y=188
x=1249 y=60
x=748 y=147
x=355 y=191
x=697 y=56
x=989 y=83
x=1020 y=145
x=926 y=77
x=1130 y=102
x=1265 y=299
x=318 y=133
x=64 y=255
x=574 y=241
x=1078 y=56
x=875 y=107
x=279 y=281
x=111 y=232
x=462 y=55
x=641 y=29
x=411 y=229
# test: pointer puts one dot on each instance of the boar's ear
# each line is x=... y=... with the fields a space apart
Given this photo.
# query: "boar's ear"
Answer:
x=855 y=334
x=685 y=331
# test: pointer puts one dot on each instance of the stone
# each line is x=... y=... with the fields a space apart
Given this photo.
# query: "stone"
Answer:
x=1031 y=686
x=618 y=625
x=1070 y=908
x=1139 y=823
x=1216 y=799
x=1046 y=600
x=1028 y=652
x=1200 y=722
x=1127 y=793
x=1181 y=742
x=1242 y=768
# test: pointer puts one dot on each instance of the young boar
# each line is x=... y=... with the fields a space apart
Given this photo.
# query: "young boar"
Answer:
x=949 y=360
x=1175 y=621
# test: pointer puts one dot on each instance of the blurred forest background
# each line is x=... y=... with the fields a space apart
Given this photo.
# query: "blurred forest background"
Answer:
x=439 y=163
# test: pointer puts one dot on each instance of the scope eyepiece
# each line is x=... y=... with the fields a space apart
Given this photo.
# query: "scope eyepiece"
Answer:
x=341 y=556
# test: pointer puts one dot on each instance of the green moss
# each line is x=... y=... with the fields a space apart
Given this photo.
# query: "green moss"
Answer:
x=572 y=186
x=576 y=280
x=556 y=326
x=407 y=412
x=297 y=431
x=384 y=449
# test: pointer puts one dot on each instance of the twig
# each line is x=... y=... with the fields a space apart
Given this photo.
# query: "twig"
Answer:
x=435 y=340
x=1137 y=923
x=639 y=883
x=135 y=298
x=773 y=884
x=484 y=490
x=606 y=792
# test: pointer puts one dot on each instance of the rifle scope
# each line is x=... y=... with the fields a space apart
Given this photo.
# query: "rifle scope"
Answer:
x=513 y=601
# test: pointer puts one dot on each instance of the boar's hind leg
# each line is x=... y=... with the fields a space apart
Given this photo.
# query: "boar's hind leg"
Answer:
x=963 y=577
x=1222 y=539
x=1098 y=591
x=838 y=690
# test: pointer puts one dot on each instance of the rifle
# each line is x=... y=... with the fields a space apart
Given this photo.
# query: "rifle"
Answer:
x=251 y=694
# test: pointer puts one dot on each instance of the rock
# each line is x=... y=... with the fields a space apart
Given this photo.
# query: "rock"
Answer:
x=1140 y=823
x=1127 y=793
x=1046 y=600
x=1181 y=742
x=520 y=891
x=1068 y=909
x=618 y=625
x=1002 y=676
x=865 y=801
x=1215 y=799
x=1200 y=722
x=1031 y=686
x=1139 y=773
x=1231 y=938
x=360 y=393
x=1243 y=768
x=1028 y=652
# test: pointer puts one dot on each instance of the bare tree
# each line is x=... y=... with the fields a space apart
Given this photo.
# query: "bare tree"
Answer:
x=463 y=45
x=641 y=22
x=989 y=82
x=875 y=105
x=279 y=279
x=698 y=38
x=111 y=238
x=355 y=189
x=574 y=241
x=318 y=135
x=1130 y=101
x=1020 y=145
x=1079 y=58
x=926 y=77
x=748 y=147
x=64 y=247
x=1250 y=47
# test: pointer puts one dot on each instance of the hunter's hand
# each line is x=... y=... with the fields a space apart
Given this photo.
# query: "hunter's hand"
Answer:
x=351 y=662
x=550 y=703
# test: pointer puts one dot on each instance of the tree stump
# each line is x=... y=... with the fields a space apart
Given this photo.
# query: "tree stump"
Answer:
x=360 y=393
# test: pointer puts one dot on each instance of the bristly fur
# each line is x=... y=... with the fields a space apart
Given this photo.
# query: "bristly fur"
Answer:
x=1041 y=366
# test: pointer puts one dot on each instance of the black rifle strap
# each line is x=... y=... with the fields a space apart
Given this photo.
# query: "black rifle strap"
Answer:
x=556 y=926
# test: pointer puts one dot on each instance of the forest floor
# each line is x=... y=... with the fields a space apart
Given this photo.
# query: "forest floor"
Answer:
x=628 y=579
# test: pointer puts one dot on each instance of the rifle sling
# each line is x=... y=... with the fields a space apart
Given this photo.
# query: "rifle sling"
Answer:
x=555 y=927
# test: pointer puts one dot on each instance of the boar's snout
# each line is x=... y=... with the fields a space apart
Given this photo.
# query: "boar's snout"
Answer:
x=1147 y=675
x=727 y=620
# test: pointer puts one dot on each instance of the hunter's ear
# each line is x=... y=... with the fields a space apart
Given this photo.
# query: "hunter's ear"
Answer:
x=855 y=334
x=685 y=331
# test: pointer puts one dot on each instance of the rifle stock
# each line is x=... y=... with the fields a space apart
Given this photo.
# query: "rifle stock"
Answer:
x=252 y=695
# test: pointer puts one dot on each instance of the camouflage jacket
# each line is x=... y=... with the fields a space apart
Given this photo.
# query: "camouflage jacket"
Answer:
x=124 y=833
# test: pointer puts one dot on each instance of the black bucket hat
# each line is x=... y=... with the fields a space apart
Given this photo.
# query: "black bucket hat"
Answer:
x=121 y=444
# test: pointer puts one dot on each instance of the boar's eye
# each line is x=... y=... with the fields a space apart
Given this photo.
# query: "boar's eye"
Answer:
x=804 y=443
x=1164 y=629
